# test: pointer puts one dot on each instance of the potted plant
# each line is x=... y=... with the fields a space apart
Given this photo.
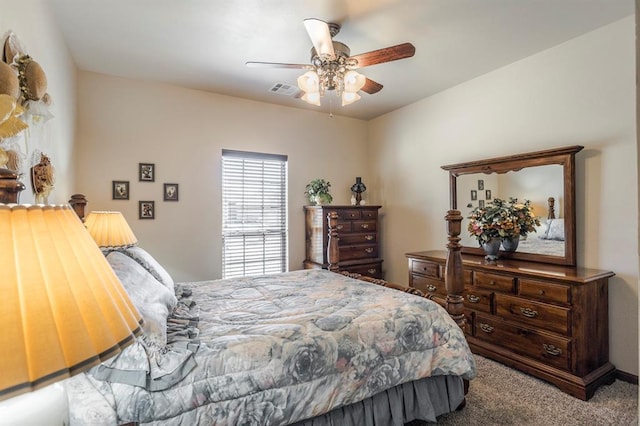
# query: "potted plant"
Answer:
x=525 y=221
x=317 y=191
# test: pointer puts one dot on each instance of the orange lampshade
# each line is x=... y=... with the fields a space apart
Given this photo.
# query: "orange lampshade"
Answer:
x=63 y=308
x=110 y=229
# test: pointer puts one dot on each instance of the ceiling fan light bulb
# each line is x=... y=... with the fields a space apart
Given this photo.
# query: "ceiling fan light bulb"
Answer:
x=308 y=82
x=354 y=81
x=349 y=98
x=312 y=98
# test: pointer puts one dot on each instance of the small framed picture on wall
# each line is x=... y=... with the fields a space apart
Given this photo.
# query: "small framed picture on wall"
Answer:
x=170 y=192
x=146 y=210
x=481 y=204
x=474 y=195
x=481 y=184
x=487 y=194
x=147 y=172
x=120 y=189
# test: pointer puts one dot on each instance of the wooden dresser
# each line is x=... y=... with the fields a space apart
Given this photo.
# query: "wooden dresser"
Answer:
x=357 y=228
x=550 y=321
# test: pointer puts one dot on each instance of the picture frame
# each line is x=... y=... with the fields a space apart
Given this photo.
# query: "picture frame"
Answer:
x=119 y=189
x=170 y=191
x=487 y=194
x=146 y=209
x=481 y=204
x=474 y=195
x=146 y=172
x=480 y=184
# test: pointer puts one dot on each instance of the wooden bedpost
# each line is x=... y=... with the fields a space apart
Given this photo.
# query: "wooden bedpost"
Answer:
x=552 y=212
x=78 y=202
x=454 y=277
x=333 y=255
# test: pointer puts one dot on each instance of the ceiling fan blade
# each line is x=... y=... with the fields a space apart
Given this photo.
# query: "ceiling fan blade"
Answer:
x=387 y=54
x=371 y=87
x=320 y=37
x=277 y=65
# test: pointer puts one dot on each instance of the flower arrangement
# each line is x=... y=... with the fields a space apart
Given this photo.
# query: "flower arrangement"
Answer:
x=501 y=219
x=317 y=191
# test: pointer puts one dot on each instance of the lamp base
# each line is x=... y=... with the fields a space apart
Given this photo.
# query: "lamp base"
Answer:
x=46 y=406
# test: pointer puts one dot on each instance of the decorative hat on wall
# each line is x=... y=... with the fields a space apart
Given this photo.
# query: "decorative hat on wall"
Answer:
x=10 y=111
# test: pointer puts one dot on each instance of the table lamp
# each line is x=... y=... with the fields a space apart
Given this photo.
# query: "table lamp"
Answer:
x=110 y=230
x=63 y=310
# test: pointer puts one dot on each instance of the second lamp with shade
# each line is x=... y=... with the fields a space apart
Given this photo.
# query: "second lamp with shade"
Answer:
x=315 y=83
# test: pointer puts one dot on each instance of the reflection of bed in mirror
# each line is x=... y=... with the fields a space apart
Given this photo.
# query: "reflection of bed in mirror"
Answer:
x=549 y=236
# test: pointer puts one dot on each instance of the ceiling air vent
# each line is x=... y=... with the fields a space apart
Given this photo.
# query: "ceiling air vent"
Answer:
x=285 y=89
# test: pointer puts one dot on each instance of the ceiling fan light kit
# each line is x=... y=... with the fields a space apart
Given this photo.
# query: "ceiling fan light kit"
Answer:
x=332 y=67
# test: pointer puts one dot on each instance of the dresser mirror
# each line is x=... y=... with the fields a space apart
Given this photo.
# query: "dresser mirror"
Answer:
x=545 y=178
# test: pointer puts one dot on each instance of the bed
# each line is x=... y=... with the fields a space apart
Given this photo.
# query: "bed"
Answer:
x=309 y=347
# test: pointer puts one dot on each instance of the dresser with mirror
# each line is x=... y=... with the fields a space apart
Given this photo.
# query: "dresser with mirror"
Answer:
x=534 y=309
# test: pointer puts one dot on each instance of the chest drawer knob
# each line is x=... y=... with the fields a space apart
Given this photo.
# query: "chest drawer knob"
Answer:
x=339 y=227
x=371 y=271
x=492 y=282
x=473 y=298
x=369 y=237
x=486 y=327
x=541 y=292
x=364 y=225
x=431 y=288
x=551 y=350
x=529 y=313
x=369 y=250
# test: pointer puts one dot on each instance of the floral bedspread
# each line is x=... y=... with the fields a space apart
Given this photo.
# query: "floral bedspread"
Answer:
x=282 y=348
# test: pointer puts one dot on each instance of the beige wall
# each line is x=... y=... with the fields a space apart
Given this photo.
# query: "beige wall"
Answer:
x=33 y=23
x=124 y=122
x=579 y=93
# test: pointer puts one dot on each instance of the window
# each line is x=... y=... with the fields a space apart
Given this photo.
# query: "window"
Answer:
x=254 y=213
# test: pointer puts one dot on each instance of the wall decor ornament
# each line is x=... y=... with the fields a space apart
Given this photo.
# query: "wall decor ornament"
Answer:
x=146 y=209
x=42 y=179
x=146 y=172
x=170 y=192
x=120 y=190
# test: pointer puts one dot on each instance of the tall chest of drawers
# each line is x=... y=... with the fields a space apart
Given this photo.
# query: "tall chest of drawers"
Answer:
x=549 y=321
x=358 y=244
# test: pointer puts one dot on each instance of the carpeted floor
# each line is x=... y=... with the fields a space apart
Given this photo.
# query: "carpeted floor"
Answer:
x=502 y=396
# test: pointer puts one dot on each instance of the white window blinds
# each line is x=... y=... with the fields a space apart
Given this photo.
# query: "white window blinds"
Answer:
x=254 y=213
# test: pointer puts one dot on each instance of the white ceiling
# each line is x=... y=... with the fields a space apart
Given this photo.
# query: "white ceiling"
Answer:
x=204 y=44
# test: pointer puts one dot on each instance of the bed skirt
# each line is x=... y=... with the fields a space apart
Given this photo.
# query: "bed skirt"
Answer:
x=423 y=399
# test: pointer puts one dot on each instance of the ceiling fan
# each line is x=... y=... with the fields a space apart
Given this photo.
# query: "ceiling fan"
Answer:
x=332 y=67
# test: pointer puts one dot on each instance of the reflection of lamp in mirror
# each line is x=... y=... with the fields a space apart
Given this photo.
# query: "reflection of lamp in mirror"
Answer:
x=358 y=188
x=63 y=310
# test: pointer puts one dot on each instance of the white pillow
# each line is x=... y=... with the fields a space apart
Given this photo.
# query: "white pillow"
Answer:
x=556 y=230
x=153 y=300
x=149 y=263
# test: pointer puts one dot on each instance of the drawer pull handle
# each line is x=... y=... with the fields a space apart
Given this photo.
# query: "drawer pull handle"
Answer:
x=369 y=237
x=339 y=227
x=369 y=250
x=371 y=271
x=364 y=225
x=551 y=350
x=431 y=288
x=473 y=298
x=492 y=282
x=529 y=313
x=486 y=327
x=541 y=292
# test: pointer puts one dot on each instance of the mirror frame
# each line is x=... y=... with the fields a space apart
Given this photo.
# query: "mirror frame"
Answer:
x=562 y=156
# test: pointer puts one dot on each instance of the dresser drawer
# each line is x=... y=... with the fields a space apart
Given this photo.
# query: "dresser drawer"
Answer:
x=343 y=226
x=494 y=282
x=349 y=214
x=369 y=214
x=428 y=285
x=358 y=252
x=364 y=238
x=425 y=268
x=477 y=299
x=553 y=350
x=534 y=314
x=544 y=291
x=369 y=269
x=363 y=226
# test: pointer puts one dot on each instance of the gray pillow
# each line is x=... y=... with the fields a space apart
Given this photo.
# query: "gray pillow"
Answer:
x=556 y=230
x=153 y=300
x=149 y=263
